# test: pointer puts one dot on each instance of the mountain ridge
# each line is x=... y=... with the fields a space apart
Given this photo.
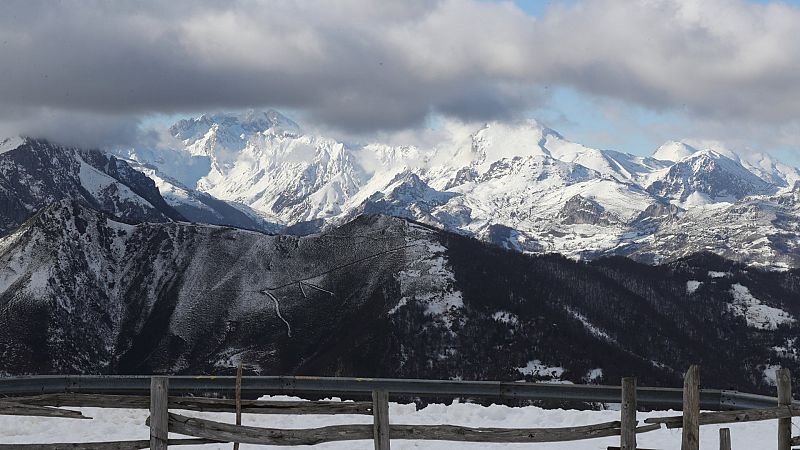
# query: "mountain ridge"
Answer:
x=377 y=296
x=516 y=176
x=35 y=173
x=518 y=185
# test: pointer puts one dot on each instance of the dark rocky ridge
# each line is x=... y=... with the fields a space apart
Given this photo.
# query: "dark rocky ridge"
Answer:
x=379 y=296
x=38 y=173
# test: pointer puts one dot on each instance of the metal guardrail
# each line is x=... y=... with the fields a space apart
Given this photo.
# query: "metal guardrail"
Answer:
x=648 y=397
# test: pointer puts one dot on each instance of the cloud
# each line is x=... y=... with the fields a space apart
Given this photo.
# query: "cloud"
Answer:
x=370 y=65
x=75 y=128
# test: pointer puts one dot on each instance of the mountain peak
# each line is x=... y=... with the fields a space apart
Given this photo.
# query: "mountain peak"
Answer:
x=496 y=141
x=708 y=177
x=674 y=151
x=246 y=122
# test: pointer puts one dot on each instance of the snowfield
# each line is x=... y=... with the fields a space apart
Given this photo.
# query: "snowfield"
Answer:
x=127 y=424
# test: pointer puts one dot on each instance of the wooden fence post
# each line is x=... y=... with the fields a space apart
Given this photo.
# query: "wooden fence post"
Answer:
x=628 y=415
x=690 y=439
x=380 y=419
x=238 y=394
x=724 y=439
x=159 y=416
x=784 y=380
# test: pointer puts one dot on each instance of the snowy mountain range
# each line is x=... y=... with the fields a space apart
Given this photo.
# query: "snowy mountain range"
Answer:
x=521 y=186
x=108 y=265
x=82 y=292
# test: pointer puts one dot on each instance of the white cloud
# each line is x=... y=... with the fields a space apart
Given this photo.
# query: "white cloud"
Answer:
x=366 y=65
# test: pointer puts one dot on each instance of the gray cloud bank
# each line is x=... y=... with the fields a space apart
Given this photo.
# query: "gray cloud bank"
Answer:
x=86 y=67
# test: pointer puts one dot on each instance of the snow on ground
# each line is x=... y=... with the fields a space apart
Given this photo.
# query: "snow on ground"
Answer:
x=110 y=424
x=757 y=314
x=692 y=286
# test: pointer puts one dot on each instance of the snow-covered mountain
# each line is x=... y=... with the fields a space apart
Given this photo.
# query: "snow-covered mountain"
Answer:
x=378 y=296
x=519 y=185
x=35 y=173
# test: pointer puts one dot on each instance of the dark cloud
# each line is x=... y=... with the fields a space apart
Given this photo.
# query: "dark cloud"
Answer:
x=364 y=65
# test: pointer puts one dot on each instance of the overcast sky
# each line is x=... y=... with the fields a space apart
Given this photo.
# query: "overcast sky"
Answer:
x=617 y=74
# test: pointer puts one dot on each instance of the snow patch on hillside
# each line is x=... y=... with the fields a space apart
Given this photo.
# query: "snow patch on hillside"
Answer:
x=13 y=264
x=692 y=286
x=100 y=185
x=788 y=349
x=593 y=375
x=771 y=374
x=593 y=329
x=756 y=313
x=505 y=317
x=430 y=281
x=8 y=144
x=540 y=371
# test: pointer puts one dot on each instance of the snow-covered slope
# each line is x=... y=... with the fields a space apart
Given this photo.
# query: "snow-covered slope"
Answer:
x=200 y=207
x=708 y=177
x=520 y=185
x=377 y=296
x=761 y=230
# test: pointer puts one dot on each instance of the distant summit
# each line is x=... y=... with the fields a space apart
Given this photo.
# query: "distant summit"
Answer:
x=546 y=193
x=237 y=124
x=674 y=151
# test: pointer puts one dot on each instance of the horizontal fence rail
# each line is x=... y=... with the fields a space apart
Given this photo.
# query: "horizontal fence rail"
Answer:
x=647 y=397
x=46 y=395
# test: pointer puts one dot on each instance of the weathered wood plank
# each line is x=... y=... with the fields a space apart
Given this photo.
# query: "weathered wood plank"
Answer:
x=159 y=413
x=724 y=439
x=119 y=445
x=238 y=400
x=642 y=429
x=253 y=435
x=380 y=422
x=784 y=381
x=9 y=408
x=690 y=439
x=270 y=436
x=637 y=448
x=628 y=415
x=648 y=428
x=719 y=417
x=202 y=404
x=502 y=435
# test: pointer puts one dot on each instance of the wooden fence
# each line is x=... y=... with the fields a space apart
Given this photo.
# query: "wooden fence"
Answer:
x=382 y=431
